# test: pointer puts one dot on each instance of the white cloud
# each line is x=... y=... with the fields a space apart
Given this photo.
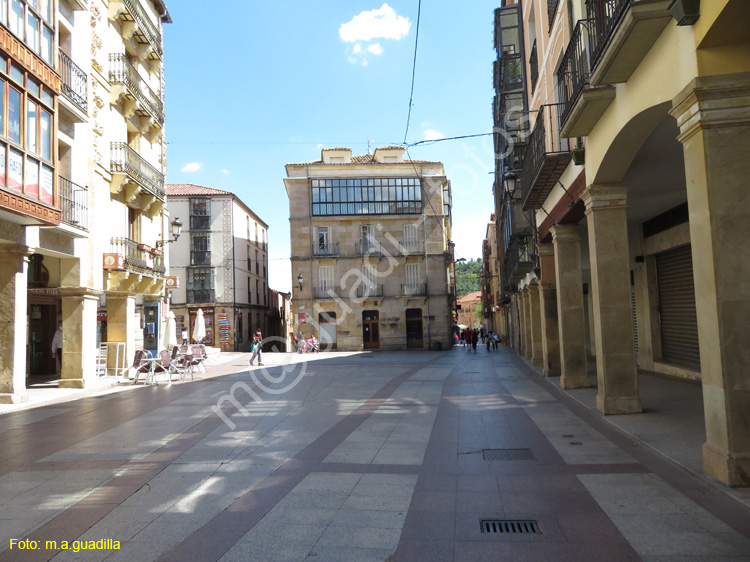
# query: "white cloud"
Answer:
x=432 y=134
x=375 y=49
x=225 y=172
x=191 y=167
x=375 y=24
x=357 y=49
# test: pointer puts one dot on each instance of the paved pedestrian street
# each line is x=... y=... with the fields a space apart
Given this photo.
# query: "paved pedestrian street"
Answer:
x=403 y=456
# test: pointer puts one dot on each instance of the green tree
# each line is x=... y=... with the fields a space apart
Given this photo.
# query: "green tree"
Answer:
x=467 y=276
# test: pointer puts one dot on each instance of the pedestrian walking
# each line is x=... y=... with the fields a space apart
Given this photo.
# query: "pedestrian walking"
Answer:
x=495 y=340
x=467 y=339
x=474 y=340
x=489 y=341
x=184 y=336
x=57 y=341
x=255 y=347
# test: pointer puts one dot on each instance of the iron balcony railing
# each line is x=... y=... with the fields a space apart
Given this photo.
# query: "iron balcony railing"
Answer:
x=544 y=143
x=604 y=16
x=124 y=159
x=534 y=66
x=369 y=290
x=575 y=68
x=368 y=248
x=410 y=248
x=73 y=203
x=414 y=290
x=518 y=259
x=145 y=30
x=330 y=249
x=74 y=82
x=138 y=258
x=327 y=292
x=122 y=72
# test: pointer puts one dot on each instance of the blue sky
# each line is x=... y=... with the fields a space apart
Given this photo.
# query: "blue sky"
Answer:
x=258 y=84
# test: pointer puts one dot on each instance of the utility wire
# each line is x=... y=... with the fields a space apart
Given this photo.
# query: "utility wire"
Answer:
x=413 y=71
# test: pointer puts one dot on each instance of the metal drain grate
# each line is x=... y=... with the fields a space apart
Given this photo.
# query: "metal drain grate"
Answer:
x=508 y=454
x=576 y=443
x=510 y=526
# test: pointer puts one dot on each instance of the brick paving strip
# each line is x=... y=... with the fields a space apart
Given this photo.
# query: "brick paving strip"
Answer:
x=212 y=540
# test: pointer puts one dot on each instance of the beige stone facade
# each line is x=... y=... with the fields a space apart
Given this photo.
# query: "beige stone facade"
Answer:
x=635 y=183
x=370 y=240
x=82 y=204
x=467 y=314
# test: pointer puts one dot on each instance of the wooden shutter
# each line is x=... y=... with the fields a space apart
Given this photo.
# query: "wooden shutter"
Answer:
x=325 y=276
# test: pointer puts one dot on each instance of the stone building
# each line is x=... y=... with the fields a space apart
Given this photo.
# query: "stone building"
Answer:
x=467 y=314
x=628 y=156
x=489 y=277
x=81 y=182
x=221 y=261
x=372 y=263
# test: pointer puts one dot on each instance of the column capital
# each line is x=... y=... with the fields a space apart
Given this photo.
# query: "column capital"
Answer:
x=546 y=249
x=533 y=289
x=603 y=197
x=711 y=102
x=566 y=232
x=84 y=292
x=15 y=254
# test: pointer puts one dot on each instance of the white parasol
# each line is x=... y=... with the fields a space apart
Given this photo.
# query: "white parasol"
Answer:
x=199 y=329
x=170 y=337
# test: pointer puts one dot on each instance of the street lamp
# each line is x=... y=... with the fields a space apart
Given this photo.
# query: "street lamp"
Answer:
x=299 y=281
x=509 y=178
x=176 y=231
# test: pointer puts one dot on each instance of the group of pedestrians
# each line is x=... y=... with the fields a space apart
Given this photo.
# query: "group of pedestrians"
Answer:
x=470 y=338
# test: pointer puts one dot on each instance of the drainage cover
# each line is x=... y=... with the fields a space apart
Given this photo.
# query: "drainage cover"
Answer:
x=510 y=526
x=508 y=454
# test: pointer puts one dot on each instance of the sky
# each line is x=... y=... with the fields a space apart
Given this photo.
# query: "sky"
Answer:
x=258 y=84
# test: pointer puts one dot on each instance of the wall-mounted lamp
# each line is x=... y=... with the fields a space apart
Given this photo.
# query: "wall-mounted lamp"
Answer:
x=509 y=179
x=176 y=231
x=299 y=281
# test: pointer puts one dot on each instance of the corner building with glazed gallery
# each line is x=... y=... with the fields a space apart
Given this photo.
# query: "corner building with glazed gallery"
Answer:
x=372 y=260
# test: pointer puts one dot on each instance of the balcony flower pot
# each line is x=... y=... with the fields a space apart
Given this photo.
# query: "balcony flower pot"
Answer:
x=155 y=252
x=686 y=12
x=144 y=247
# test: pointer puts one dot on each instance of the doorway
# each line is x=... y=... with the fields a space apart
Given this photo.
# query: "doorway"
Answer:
x=42 y=325
x=371 y=329
x=414 y=338
x=327 y=323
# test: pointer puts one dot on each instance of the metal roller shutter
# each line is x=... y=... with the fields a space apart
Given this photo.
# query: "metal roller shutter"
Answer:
x=679 y=322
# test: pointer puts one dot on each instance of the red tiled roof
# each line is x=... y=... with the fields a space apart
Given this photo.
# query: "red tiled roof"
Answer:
x=361 y=159
x=391 y=147
x=470 y=297
x=175 y=189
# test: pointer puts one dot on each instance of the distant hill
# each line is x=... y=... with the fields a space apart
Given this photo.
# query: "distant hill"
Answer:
x=467 y=276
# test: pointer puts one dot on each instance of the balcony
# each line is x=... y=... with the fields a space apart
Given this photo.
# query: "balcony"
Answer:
x=326 y=250
x=136 y=257
x=534 y=66
x=508 y=73
x=327 y=292
x=369 y=290
x=622 y=32
x=73 y=82
x=135 y=95
x=73 y=203
x=547 y=156
x=411 y=248
x=370 y=248
x=414 y=290
x=136 y=25
x=133 y=176
x=518 y=260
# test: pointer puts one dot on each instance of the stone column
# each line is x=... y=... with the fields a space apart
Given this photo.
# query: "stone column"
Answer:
x=550 y=331
x=712 y=113
x=566 y=239
x=535 y=315
x=79 y=306
x=610 y=289
x=14 y=260
x=526 y=324
x=121 y=325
